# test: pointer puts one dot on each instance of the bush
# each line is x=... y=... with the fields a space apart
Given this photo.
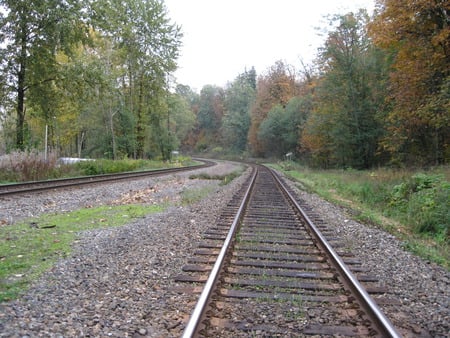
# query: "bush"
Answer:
x=423 y=201
x=27 y=166
x=217 y=150
x=100 y=167
x=201 y=146
x=416 y=204
x=89 y=168
x=428 y=210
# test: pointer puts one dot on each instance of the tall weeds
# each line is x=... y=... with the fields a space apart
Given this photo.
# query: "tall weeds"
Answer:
x=418 y=199
x=27 y=166
x=422 y=201
x=414 y=205
x=32 y=166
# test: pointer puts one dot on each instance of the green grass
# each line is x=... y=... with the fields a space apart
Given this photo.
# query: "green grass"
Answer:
x=31 y=247
x=190 y=196
x=224 y=179
x=103 y=166
x=411 y=204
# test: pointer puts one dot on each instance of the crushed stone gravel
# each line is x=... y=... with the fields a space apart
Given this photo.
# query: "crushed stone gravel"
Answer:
x=119 y=282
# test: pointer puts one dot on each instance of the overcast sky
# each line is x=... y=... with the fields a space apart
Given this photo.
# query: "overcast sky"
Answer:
x=222 y=38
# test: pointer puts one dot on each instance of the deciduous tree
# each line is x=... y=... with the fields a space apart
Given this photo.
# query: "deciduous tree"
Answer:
x=277 y=87
x=32 y=33
x=283 y=127
x=209 y=116
x=239 y=97
x=346 y=128
x=149 y=44
x=418 y=34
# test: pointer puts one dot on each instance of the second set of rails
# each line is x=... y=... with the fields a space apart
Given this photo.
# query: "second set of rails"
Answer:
x=36 y=186
x=265 y=269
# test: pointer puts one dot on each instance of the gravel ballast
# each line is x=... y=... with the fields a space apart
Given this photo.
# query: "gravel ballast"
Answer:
x=119 y=282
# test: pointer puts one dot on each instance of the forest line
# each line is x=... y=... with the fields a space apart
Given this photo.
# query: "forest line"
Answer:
x=96 y=76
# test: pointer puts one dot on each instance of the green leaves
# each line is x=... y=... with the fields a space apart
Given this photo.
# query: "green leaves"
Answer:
x=88 y=62
x=423 y=200
x=33 y=33
x=239 y=97
x=418 y=33
x=348 y=126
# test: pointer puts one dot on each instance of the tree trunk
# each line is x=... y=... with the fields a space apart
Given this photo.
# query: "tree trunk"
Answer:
x=140 y=137
x=20 y=122
x=113 y=137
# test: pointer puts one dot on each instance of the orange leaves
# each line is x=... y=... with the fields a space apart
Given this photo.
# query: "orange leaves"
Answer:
x=277 y=87
x=418 y=32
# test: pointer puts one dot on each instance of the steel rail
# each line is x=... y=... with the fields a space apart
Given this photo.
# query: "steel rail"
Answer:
x=199 y=310
x=32 y=186
x=383 y=324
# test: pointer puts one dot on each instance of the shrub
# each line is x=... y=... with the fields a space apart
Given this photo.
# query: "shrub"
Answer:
x=89 y=168
x=428 y=210
x=423 y=199
x=217 y=150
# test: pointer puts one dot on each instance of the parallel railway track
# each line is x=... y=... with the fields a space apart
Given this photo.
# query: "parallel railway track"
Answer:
x=30 y=187
x=266 y=270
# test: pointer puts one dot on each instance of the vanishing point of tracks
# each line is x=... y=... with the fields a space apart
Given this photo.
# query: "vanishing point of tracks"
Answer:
x=35 y=186
x=265 y=270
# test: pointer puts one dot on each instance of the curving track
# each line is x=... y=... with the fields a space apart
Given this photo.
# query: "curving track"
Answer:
x=30 y=187
x=266 y=270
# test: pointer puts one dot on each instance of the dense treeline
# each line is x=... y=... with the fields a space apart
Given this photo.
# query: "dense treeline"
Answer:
x=99 y=77
x=94 y=74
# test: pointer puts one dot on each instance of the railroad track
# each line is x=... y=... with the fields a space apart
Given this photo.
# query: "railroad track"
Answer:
x=266 y=270
x=34 y=186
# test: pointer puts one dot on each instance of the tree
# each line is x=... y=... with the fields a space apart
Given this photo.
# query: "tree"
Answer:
x=210 y=108
x=277 y=87
x=417 y=33
x=87 y=102
x=181 y=119
x=86 y=67
x=149 y=45
x=316 y=139
x=348 y=102
x=193 y=101
x=283 y=127
x=239 y=97
x=33 y=32
x=209 y=116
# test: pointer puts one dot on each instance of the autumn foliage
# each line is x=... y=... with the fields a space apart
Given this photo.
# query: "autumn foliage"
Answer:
x=275 y=88
x=417 y=33
x=378 y=92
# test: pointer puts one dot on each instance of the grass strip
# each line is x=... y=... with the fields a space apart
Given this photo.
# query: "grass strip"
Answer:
x=224 y=179
x=412 y=206
x=29 y=248
x=32 y=246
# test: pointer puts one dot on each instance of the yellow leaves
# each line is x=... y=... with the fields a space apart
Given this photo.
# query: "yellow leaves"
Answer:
x=275 y=88
x=442 y=40
x=62 y=58
x=420 y=34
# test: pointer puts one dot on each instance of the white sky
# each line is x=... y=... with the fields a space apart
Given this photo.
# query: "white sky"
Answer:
x=222 y=38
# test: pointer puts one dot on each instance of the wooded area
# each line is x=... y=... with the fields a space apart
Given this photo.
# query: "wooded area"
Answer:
x=93 y=79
